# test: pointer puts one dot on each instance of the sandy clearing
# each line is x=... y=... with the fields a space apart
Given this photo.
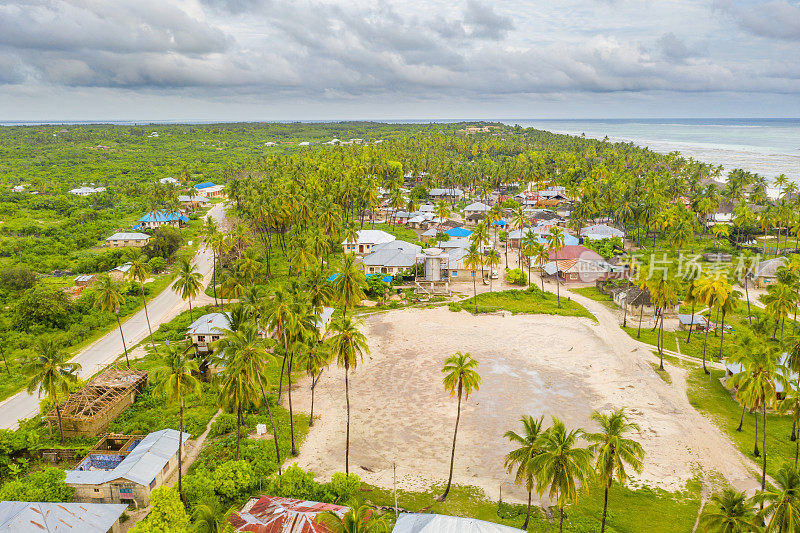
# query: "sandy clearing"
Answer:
x=530 y=364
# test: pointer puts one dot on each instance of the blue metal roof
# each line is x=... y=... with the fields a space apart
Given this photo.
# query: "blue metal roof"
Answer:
x=204 y=185
x=458 y=232
x=501 y=223
x=163 y=216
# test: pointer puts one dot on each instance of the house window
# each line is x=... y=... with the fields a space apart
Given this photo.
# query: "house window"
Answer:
x=201 y=338
x=153 y=484
x=97 y=490
x=214 y=338
x=454 y=273
x=164 y=470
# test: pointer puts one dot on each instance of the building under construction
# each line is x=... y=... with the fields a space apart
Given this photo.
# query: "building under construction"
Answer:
x=89 y=411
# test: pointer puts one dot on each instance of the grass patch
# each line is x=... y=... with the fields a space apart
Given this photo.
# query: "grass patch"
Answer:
x=666 y=512
x=593 y=294
x=711 y=398
x=663 y=374
x=529 y=301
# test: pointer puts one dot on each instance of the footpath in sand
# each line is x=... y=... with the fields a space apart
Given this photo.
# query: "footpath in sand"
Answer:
x=529 y=364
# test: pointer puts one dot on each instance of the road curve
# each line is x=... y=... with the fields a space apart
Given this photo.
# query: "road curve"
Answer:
x=106 y=349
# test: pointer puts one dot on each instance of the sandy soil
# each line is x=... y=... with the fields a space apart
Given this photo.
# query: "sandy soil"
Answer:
x=534 y=364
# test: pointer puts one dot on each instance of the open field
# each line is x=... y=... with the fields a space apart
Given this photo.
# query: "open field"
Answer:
x=530 y=364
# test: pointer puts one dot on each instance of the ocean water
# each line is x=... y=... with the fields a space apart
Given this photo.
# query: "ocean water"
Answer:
x=766 y=146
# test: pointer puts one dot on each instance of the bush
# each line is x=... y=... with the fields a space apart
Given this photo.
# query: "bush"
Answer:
x=296 y=483
x=341 y=488
x=46 y=485
x=516 y=277
x=225 y=423
x=233 y=479
x=198 y=486
x=157 y=264
x=168 y=513
x=17 y=278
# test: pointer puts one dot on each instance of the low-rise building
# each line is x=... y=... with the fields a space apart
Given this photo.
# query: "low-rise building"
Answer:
x=366 y=240
x=85 y=280
x=192 y=202
x=119 y=273
x=20 y=517
x=276 y=514
x=125 y=238
x=766 y=272
x=476 y=208
x=207 y=329
x=600 y=232
x=156 y=219
x=209 y=189
x=391 y=258
x=442 y=194
x=692 y=322
x=86 y=191
x=127 y=474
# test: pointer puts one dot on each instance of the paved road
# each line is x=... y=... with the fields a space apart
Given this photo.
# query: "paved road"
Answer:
x=105 y=350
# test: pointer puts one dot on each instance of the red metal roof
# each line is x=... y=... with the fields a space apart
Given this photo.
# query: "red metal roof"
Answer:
x=275 y=514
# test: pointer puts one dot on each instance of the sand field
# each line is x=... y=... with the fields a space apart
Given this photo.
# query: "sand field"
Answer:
x=529 y=364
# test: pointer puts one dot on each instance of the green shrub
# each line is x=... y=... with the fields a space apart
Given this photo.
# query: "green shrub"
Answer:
x=516 y=277
x=224 y=423
x=296 y=483
x=233 y=479
x=341 y=488
x=46 y=485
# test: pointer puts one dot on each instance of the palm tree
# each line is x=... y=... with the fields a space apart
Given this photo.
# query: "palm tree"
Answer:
x=711 y=291
x=140 y=271
x=492 y=259
x=361 y=519
x=473 y=260
x=174 y=377
x=664 y=291
x=555 y=242
x=480 y=238
x=51 y=372
x=210 y=517
x=460 y=378
x=729 y=511
x=188 y=283
x=347 y=287
x=561 y=466
x=791 y=404
x=348 y=345
x=782 y=501
x=245 y=350
x=110 y=299
x=614 y=451
x=237 y=391
x=521 y=457
x=211 y=237
x=758 y=383
x=315 y=359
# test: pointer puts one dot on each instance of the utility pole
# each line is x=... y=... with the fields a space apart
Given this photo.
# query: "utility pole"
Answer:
x=394 y=487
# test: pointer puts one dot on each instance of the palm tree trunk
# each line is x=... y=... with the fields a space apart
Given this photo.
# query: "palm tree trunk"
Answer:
x=119 y=324
x=764 y=446
x=747 y=293
x=741 y=420
x=58 y=415
x=238 y=428
x=705 y=343
x=641 y=315
x=796 y=452
x=180 y=457
x=191 y=313
x=558 y=287
x=528 y=514
x=291 y=412
x=722 y=335
x=280 y=380
x=147 y=316
x=691 y=326
x=272 y=422
x=755 y=446
x=214 y=273
x=661 y=343
x=561 y=509
x=453 y=452
x=605 y=509
x=474 y=292
x=5 y=361
x=347 y=435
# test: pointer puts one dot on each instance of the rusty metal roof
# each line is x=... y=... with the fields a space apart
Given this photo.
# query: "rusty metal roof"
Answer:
x=275 y=514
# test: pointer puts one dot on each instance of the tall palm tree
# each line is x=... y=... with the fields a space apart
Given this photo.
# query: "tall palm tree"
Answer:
x=521 y=457
x=188 y=283
x=348 y=346
x=480 y=238
x=139 y=272
x=245 y=350
x=315 y=359
x=555 y=242
x=460 y=378
x=710 y=291
x=782 y=509
x=664 y=291
x=614 y=451
x=361 y=519
x=561 y=466
x=492 y=259
x=237 y=391
x=110 y=299
x=51 y=372
x=473 y=260
x=729 y=511
x=174 y=377
x=211 y=236
x=347 y=287
x=791 y=404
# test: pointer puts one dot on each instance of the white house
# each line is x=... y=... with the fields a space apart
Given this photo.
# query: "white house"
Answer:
x=16 y=517
x=600 y=232
x=391 y=257
x=122 y=239
x=476 y=208
x=86 y=191
x=367 y=239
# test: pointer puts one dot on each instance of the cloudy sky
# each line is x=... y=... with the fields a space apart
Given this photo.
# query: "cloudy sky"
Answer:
x=330 y=59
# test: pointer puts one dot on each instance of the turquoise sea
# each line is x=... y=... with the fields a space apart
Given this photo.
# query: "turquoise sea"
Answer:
x=766 y=146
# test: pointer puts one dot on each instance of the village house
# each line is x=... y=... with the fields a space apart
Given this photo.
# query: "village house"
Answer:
x=156 y=219
x=86 y=191
x=476 y=208
x=125 y=239
x=766 y=272
x=171 y=181
x=391 y=258
x=445 y=194
x=119 y=273
x=541 y=231
x=126 y=469
x=192 y=202
x=85 y=280
x=366 y=239
x=692 y=322
x=600 y=232
x=207 y=329
x=209 y=189
x=16 y=517
x=578 y=264
x=276 y=514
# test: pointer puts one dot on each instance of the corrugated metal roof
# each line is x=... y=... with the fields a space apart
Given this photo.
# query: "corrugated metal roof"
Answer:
x=140 y=466
x=437 y=523
x=59 y=517
x=209 y=324
x=477 y=206
x=204 y=185
x=122 y=268
x=186 y=198
x=163 y=216
x=371 y=236
x=128 y=236
x=274 y=514
x=393 y=254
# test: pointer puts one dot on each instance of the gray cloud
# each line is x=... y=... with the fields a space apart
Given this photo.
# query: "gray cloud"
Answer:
x=774 y=19
x=672 y=48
